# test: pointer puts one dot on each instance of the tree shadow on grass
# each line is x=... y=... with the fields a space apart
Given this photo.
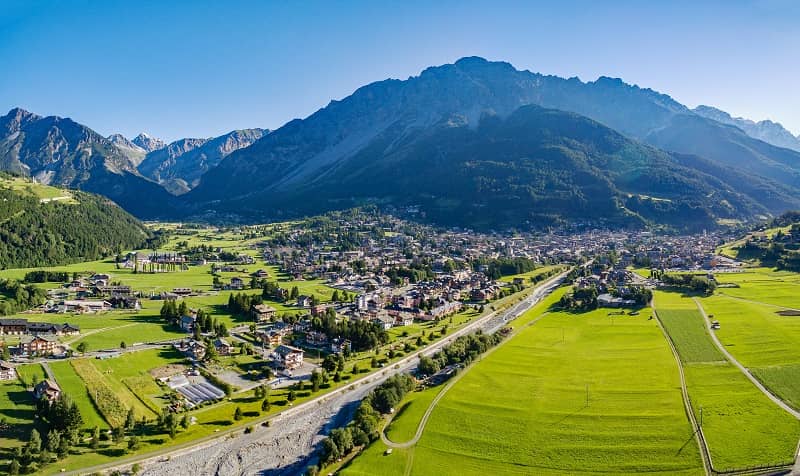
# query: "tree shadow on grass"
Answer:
x=218 y=423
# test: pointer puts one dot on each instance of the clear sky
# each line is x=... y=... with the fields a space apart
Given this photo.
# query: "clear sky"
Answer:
x=201 y=68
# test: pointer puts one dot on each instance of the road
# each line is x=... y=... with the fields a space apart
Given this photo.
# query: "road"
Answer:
x=741 y=367
x=289 y=444
x=424 y=421
x=796 y=468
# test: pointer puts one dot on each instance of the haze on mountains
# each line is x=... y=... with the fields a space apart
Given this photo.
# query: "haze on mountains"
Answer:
x=475 y=143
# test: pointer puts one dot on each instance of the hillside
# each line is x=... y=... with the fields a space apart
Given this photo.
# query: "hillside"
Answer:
x=60 y=151
x=370 y=140
x=47 y=226
x=537 y=167
x=179 y=165
x=771 y=132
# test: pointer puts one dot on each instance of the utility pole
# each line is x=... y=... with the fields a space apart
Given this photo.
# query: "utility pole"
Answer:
x=701 y=416
x=587 y=394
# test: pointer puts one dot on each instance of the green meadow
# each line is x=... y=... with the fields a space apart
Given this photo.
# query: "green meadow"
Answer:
x=742 y=427
x=573 y=392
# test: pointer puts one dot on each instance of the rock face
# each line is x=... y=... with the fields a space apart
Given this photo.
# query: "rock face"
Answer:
x=147 y=143
x=179 y=165
x=133 y=152
x=335 y=157
x=62 y=152
x=771 y=132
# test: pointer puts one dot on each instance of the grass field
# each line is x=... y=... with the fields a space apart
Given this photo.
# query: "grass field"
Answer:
x=30 y=374
x=17 y=411
x=753 y=331
x=685 y=326
x=524 y=408
x=742 y=427
x=409 y=413
x=75 y=388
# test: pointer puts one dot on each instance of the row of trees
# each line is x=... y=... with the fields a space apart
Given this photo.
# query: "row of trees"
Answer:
x=692 y=282
x=463 y=350
x=45 y=276
x=499 y=267
x=366 y=424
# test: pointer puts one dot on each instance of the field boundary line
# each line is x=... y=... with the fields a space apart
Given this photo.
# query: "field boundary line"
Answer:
x=775 y=399
x=535 y=293
x=432 y=406
x=708 y=465
x=752 y=301
x=741 y=367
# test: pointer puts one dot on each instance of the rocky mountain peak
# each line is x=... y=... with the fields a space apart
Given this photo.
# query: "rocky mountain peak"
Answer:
x=149 y=144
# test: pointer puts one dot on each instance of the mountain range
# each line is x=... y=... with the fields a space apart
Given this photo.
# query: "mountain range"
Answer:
x=474 y=143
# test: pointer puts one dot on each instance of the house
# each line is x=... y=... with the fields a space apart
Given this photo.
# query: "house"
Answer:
x=271 y=338
x=318 y=309
x=263 y=312
x=187 y=323
x=288 y=357
x=261 y=274
x=386 y=322
x=237 y=283
x=84 y=306
x=304 y=301
x=126 y=302
x=182 y=291
x=193 y=348
x=114 y=290
x=403 y=319
x=68 y=329
x=316 y=338
x=607 y=300
x=339 y=345
x=13 y=326
x=37 y=345
x=7 y=372
x=47 y=389
x=222 y=346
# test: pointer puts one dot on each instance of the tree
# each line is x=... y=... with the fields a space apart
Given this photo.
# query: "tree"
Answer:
x=53 y=440
x=95 y=437
x=237 y=415
x=316 y=381
x=118 y=434
x=185 y=421
x=130 y=420
x=292 y=396
x=13 y=468
x=35 y=442
x=82 y=347
x=133 y=443
x=265 y=405
x=122 y=345
x=330 y=363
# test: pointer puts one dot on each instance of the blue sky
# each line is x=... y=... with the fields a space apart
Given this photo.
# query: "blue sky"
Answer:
x=196 y=69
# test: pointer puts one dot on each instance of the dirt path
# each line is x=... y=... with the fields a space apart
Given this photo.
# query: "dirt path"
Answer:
x=93 y=332
x=741 y=367
x=796 y=467
x=751 y=301
x=424 y=421
x=708 y=465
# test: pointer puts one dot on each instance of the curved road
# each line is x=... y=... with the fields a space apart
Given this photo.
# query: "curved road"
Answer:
x=289 y=444
x=741 y=367
x=443 y=391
